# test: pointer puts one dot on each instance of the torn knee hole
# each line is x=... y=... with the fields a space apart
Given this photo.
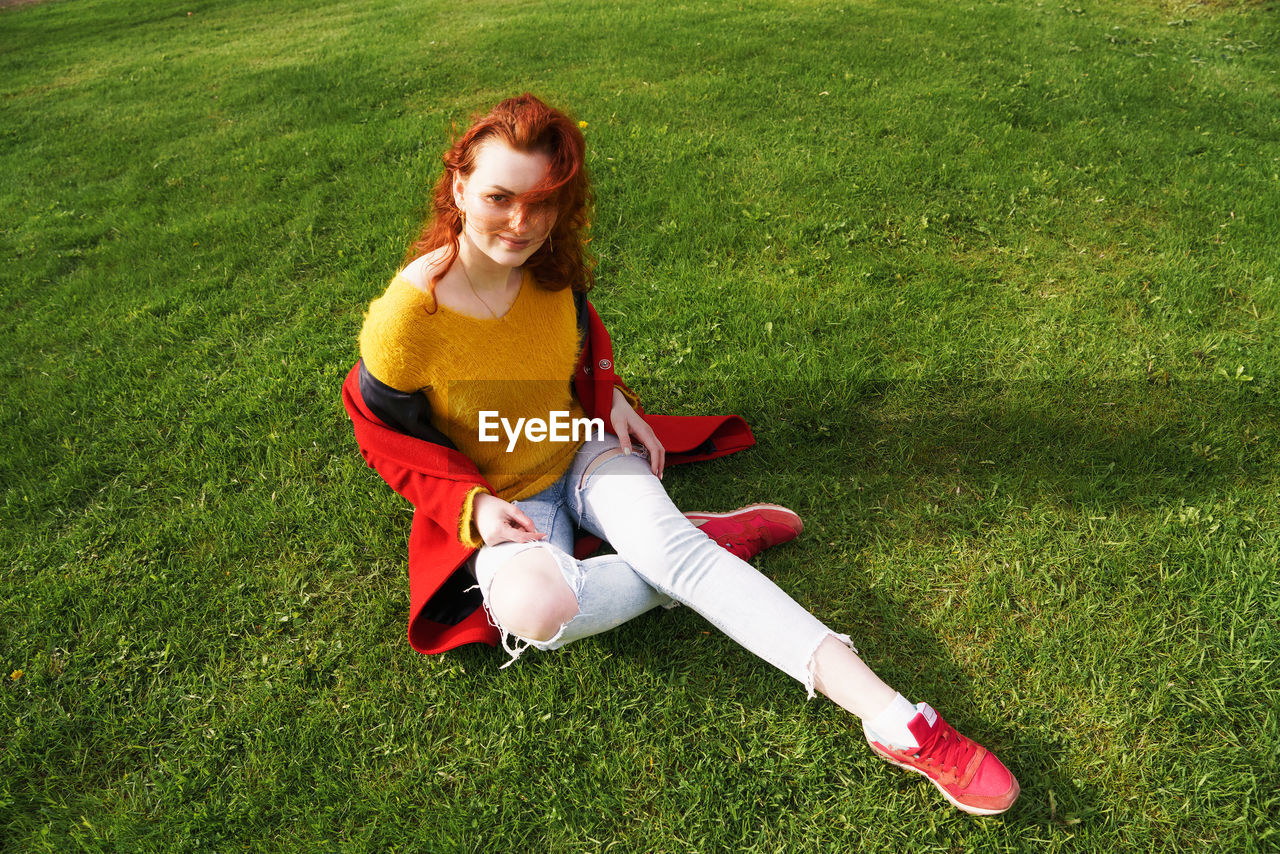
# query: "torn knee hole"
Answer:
x=542 y=632
x=530 y=598
x=597 y=462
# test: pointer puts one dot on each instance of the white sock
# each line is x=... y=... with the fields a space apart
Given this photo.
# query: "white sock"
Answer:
x=890 y=725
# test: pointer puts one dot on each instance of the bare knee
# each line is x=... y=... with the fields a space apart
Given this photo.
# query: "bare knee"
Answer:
x=530 y=598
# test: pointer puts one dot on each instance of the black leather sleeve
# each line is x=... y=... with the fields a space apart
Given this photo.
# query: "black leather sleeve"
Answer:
x=405 y=412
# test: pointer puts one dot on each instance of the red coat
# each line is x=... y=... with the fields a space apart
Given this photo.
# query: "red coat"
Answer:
x=436 y=480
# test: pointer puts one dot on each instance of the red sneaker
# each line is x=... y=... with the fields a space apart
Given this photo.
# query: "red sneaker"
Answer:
x=750 y=530
x=967 y=774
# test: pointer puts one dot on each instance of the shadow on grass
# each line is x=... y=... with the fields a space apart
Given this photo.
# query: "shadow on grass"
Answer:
x=923 y=667
x=951 y=462
x=1106 y=445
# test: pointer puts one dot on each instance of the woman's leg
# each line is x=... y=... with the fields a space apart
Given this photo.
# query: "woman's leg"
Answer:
x=618 y=498
x=549 y=599
x=538 y=593
x=543 y=596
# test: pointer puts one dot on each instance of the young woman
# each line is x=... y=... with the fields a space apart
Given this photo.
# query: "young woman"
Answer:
x=479 y=349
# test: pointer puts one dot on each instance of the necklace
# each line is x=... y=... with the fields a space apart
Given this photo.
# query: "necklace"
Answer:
x=476 y=293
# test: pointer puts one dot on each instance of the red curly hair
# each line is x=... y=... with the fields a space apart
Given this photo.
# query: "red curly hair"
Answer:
x=526 y=124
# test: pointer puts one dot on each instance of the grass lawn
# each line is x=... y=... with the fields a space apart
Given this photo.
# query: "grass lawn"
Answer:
x=994 y=283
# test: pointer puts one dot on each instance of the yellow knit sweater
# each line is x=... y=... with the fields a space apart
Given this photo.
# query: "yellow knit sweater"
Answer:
x=517 y=366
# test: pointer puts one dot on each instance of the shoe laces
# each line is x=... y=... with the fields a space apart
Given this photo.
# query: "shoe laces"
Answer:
x=947 y=749
x=755 y=539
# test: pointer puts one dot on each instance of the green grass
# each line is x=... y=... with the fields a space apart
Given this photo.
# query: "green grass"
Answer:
x=994 y=282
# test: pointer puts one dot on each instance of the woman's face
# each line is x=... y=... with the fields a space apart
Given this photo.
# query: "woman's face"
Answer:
x=505 y=230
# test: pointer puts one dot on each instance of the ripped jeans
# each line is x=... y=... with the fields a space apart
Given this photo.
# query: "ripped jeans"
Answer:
x=661 y=558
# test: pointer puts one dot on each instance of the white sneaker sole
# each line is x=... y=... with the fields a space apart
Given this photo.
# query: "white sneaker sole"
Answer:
x=695 y=517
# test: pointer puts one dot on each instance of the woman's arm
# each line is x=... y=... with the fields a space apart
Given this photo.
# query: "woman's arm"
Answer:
x=500 y=521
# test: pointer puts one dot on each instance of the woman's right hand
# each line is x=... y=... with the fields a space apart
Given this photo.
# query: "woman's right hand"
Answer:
x=501 y=521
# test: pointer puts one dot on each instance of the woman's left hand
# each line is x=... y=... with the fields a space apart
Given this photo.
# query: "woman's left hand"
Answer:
x=628 y=425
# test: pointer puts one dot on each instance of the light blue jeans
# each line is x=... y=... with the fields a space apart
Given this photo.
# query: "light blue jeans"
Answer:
x=661 y=559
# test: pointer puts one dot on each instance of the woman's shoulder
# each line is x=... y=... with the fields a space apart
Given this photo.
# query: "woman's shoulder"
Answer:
x=409 y=292
x=396 y=341
x=420 y=270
